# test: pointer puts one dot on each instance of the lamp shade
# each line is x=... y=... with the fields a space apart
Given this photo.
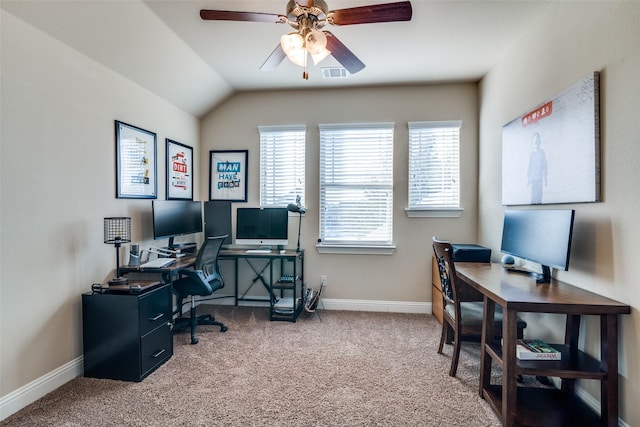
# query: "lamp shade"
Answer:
x=315 y=42
x=117 y=230
x=293 y=46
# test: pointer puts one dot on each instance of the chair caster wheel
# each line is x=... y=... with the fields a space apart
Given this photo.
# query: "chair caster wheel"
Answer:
x=194 y=341
x=224 y=329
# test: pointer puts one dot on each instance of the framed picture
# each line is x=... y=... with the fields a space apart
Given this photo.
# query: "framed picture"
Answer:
x=179 y=171
x=135 y=163
x=551 y=154
x=228 y=175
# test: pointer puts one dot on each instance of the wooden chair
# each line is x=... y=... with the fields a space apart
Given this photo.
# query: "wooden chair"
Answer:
x=462 y=306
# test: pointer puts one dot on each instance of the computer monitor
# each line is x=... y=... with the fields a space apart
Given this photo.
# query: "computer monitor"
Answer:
x=262 y=226
x=542 y=236
x=172 y=218
x=217 y=219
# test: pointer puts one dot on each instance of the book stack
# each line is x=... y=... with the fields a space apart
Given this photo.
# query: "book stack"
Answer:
x=536 y=350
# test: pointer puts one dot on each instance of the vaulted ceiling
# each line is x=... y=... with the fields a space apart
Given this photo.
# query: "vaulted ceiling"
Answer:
x=165 y=46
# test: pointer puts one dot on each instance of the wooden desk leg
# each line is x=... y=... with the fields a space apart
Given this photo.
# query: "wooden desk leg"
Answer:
x=571 y=333
x=485 y=359
x=235 y=262
x=509 y=384
x=609 y=364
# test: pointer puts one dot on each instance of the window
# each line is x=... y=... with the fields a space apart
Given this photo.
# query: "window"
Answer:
x=282 y=162
x=434 y=171
x=356 y=184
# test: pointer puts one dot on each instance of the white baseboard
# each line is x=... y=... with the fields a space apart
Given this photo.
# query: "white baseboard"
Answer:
x=368 y=305
x=29 y=393
x=347 y=305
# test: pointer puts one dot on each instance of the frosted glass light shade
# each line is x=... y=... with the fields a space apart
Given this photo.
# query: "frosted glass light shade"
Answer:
x=293 y=46
x=315 y=42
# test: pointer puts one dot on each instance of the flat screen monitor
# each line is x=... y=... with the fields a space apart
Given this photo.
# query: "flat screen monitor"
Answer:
x=542 y=236
x=262 y=226
x=172 y=218
x=217 y=219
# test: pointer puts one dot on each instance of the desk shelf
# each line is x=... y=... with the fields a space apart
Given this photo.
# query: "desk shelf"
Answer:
x=293 y=290
x=582 y=366
x=545 y=407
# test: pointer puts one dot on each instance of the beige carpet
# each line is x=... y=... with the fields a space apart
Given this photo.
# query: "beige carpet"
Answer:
x=345 y=369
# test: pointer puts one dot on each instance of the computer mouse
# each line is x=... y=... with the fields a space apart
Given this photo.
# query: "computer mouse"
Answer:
x=282 y=251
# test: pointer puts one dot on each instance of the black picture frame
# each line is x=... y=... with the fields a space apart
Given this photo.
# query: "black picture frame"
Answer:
x=136 y=162
x=179 y=162
x=228 y=175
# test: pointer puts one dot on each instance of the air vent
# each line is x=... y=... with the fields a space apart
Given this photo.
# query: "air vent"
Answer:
x=334 y=73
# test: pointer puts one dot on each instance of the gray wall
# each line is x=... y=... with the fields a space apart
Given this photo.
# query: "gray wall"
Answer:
x=405 y=275
x=58 y=183
x=573 y=41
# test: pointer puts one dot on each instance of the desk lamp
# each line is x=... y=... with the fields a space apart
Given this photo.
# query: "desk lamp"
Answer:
x=117 y=230
x=295 y=207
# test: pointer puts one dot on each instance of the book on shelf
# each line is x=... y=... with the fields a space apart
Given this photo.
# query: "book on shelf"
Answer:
x=536 y=350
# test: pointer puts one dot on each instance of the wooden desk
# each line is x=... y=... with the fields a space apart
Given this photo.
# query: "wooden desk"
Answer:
x=517 y=292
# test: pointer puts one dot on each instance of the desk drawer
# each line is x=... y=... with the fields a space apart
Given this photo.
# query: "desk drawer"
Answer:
x=155 y=348
x=154 y=309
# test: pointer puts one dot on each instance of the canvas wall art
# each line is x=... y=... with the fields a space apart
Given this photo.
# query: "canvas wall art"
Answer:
x=551 y=154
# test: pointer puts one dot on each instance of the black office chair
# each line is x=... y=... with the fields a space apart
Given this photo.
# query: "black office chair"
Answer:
x=463 y=306
x=203 y=280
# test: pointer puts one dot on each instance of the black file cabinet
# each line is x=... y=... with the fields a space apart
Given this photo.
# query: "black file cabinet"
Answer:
x=126 y=336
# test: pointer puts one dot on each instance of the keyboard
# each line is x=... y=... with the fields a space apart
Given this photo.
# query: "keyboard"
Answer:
x=158 y=263
x=258 y=251
x=286 y=279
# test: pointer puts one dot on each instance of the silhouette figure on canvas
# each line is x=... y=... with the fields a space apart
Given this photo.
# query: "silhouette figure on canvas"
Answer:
x=537 y=171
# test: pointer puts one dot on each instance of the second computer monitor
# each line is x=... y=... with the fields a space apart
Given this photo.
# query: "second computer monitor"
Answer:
x=217 y=219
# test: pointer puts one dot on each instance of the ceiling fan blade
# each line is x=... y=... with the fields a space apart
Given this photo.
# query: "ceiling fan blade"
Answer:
x=343 y=55
x=388 y=12
x=228 y=15
x=276 y=57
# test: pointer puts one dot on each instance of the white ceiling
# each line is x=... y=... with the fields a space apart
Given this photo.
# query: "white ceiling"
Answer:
x=163 y=45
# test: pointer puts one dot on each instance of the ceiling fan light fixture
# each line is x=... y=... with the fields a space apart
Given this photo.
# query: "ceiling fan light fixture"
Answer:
x=293 y=46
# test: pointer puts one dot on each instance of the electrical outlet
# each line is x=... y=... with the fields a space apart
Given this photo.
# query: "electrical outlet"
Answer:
x=323 y=280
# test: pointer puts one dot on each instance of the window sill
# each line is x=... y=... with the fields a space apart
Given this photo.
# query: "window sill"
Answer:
x=434 y=212
x=355 y=250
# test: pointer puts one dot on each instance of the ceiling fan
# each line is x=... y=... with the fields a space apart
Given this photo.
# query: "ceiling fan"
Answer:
x=308 y=17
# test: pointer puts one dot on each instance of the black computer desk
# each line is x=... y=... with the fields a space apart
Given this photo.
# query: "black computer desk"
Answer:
x=270 y=278
x=265 y=273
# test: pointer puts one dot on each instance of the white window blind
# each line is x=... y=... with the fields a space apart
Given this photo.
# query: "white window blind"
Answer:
x=356 y=184
x=434 y=166
x=282 y=164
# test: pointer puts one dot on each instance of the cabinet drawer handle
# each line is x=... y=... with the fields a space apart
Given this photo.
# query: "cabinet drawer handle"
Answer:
x=153 y=319
x=157 y=354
